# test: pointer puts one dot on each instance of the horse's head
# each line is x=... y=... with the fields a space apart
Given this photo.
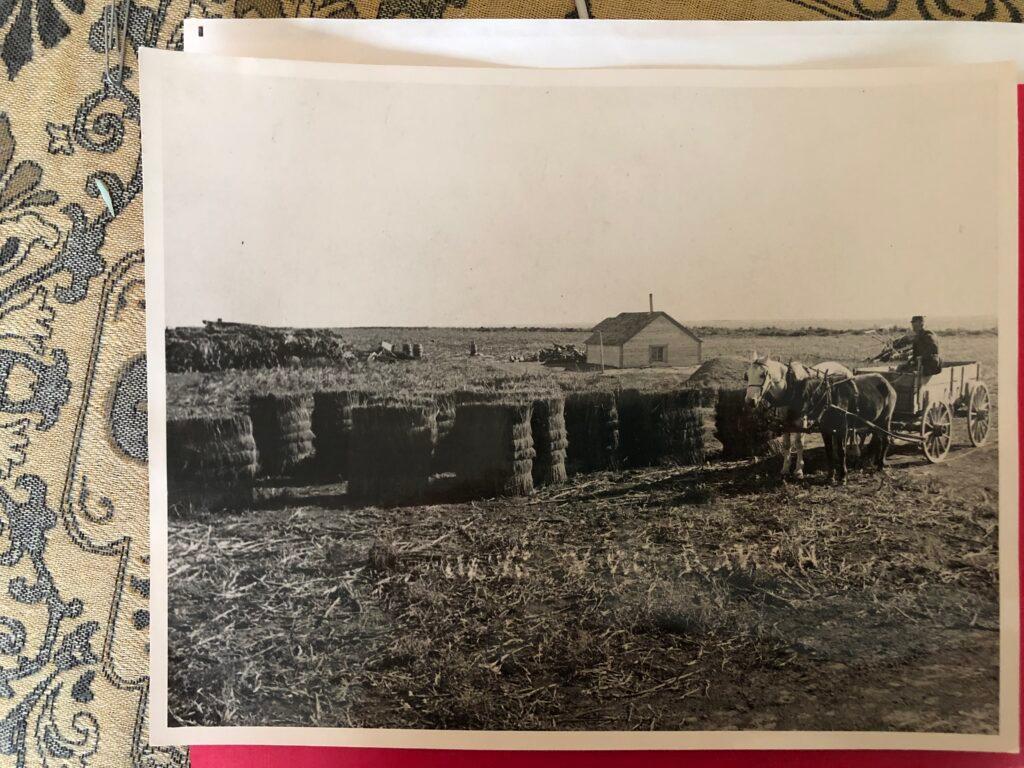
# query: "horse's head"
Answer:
x=765 y=380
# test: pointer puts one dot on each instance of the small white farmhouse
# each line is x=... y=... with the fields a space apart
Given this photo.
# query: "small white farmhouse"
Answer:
x=642 y=339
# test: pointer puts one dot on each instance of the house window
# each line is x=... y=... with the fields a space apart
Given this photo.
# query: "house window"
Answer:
x=659 y=354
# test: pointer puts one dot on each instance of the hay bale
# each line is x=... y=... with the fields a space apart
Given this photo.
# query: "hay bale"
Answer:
x=444 y=450
x=283 y=428
x=211 y=463
x=658 y=427
x=679 y=427
x=592 y=428
x=743 y=431
x=494 y=449
x=211 y=448
x=332 y=430
x=547 y=425
x=390 y=452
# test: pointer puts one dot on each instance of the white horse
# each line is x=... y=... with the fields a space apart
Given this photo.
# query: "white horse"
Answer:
x=768 y=384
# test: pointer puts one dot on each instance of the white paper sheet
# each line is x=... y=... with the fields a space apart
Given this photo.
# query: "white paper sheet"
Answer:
x=529 y=176
x=600 y=43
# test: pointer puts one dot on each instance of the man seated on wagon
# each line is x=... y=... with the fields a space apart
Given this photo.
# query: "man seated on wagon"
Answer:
x=924 y=348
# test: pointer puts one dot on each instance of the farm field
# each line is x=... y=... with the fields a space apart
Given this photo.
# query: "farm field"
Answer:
x=447 y=365
x=668 y=598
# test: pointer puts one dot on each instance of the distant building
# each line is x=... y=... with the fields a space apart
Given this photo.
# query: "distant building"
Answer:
x=643 y=339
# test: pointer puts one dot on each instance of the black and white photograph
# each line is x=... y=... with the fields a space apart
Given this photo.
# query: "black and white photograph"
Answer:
x=674 y=409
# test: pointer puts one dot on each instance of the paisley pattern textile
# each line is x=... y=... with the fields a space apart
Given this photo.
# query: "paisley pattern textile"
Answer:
x=74 y=539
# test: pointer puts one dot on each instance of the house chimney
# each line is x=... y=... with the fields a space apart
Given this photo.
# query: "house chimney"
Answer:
x=650 y=300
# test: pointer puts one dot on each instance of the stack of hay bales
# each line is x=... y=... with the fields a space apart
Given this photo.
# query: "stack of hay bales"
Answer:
x=211 y=462
x=658 y=427
x=283 y=428
x=681 y=429
x=547 y=425
x=592 y=426
x=332 y=430
x=444 y=447
x=494 y=450
x=743 y=431
x=390 y=452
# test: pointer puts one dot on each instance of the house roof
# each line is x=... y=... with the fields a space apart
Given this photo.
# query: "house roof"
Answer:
x=625 y=325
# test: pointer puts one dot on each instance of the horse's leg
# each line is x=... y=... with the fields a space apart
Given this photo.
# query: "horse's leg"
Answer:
x=868 y=455
x=827 y=439
x=841 y=436
x=872 y=446
x=884 y=438
x=883 y=441
x=785 y=452
x=798 y=473
x=854 y=448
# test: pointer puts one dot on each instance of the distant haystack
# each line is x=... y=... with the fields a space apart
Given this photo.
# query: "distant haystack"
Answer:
x=719 y=373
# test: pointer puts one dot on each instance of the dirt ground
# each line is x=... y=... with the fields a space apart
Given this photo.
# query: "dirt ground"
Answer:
x=672 y=598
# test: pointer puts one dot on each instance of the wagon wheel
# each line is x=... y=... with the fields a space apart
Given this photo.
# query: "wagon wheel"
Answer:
x=937 y=431
x=978 y=416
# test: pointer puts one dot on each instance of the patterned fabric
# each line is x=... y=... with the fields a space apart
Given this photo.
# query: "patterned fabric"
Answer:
x=73 y=502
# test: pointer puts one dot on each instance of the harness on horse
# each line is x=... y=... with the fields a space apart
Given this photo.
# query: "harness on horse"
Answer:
x=828 y=385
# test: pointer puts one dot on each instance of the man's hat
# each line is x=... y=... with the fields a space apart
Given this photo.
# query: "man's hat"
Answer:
x=917 y=319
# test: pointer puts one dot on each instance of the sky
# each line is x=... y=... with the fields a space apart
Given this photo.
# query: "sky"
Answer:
x=316 y=202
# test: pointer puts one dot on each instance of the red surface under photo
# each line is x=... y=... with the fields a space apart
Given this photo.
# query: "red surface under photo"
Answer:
x=333 y=757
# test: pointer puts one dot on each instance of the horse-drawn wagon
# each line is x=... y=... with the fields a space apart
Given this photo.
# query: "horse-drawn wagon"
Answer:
x=926 y=405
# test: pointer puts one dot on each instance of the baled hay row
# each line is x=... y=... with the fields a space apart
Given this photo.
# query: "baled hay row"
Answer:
x=332 y=430
x=743 y=431
x=283 y=428
x=549 y=441
x=211 y=463
x=448 y=443
x=493 y=449
x=592 y=428
x=679 y=432
x=211 y=448
x=657 y=427
x=390 y=452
